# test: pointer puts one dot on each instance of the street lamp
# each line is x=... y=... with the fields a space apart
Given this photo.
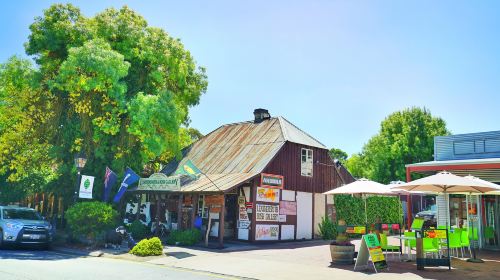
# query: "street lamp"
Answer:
x=80 y=161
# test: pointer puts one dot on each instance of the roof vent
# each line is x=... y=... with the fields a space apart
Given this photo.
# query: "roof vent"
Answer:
x=261 y=115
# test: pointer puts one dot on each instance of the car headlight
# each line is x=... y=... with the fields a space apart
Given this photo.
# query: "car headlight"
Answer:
x=14 y=226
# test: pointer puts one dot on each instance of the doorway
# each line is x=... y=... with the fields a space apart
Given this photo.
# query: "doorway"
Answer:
x=491 y=221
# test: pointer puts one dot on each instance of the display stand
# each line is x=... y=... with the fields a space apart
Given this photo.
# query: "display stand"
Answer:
x=370 y=249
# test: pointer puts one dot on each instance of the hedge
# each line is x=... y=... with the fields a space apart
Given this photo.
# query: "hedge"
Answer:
x=352 y=209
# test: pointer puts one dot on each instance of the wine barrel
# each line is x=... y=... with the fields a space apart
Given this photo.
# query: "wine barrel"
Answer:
x=342 y=254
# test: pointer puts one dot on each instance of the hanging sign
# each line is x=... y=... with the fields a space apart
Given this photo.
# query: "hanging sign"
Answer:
x=159 y=182
x=370 y=248
x=271 y=181
x=267 y=232
x=288 y=207
x=266 y=213
x=214 y=200
x=86 y=186
x=268 y=195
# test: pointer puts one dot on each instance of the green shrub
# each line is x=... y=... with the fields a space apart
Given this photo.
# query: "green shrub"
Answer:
x=327 y=229
x=139 y=230
x=187 y=237
x=148 y=247
x=91 y=219
x=352 y=209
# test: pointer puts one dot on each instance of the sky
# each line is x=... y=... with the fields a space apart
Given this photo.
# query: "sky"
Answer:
x=335 y=69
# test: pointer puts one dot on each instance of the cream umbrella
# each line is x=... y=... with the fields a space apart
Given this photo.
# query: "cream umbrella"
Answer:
x=362 y=186
x=444 y=182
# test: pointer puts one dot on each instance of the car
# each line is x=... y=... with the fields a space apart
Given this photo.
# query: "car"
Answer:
x=24 y=226
x=429 y=217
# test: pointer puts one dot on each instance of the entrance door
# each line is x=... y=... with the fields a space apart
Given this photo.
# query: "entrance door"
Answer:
x=304 y=215
x=491 y=221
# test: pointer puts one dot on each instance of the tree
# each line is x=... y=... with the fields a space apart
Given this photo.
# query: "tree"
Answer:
x=405 y=137
x=108 y=85
x=338 y=154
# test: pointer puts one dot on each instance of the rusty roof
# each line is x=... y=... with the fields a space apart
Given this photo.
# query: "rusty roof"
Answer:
x=234 y=153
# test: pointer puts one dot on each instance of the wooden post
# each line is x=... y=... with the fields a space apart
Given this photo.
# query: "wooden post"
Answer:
x=179 y=212
x=208 y=226
x=420 y=253
x=221 y=222
x=157 y=218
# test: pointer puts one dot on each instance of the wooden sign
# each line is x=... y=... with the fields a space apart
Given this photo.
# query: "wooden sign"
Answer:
x=266 y=213
x=159 y=182
x=214 y=200
x=272 y=181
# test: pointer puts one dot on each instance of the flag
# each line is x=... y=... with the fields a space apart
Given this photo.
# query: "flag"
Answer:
x=109 y=180
x=188 y=168
x=130 y=178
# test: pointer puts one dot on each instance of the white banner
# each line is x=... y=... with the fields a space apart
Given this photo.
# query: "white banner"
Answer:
x=267 y=232
x=266 y=213
x=268 y=195
x=86 y=186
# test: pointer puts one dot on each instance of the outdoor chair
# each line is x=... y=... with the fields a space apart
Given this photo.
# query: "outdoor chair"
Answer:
x=413 y=243
x=455 y=242
x=430 y=246
x=489 y=233
x=386 y=247
x=464 y=241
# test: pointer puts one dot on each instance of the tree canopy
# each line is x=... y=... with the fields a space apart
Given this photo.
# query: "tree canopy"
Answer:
x=338 y=154
x=405 y=137
x=109 y=86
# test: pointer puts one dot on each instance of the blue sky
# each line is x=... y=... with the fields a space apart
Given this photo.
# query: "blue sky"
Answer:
x=334 y=68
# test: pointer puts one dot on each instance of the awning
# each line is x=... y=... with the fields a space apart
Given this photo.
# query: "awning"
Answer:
x=217 y=182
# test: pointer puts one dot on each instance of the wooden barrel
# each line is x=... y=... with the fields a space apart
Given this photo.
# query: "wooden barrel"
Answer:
x=342 y=254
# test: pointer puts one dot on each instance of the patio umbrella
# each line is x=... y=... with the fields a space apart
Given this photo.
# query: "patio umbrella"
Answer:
x=362 y=186
x=444 y=182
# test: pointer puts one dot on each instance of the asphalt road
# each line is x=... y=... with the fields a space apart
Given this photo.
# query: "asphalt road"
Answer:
x=26 y=264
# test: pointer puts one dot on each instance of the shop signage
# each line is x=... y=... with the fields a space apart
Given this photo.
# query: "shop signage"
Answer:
x=271 y=181
x=243 y=224
x=266 y=213
x=249 y=204
x=86 y=186
x=267 y=232
x=370 y=247
x=435 y=233
x=241 y=200
x=159 y=182
x=288 y=207
x=282 y=218
x=214 y=199
x=268 y=195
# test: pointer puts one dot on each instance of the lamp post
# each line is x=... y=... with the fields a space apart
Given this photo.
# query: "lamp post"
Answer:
x=80 y=161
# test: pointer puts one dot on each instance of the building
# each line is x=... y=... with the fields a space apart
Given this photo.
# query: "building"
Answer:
x=261 y=180
x=476 y=154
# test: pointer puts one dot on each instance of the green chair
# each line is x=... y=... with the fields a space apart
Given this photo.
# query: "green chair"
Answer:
x=386 y=247
x=413 y=243
x=465 y=242
x=489 y=233
x=441 y=227
x=430 y=245
x=473 y=236
x=455 y=242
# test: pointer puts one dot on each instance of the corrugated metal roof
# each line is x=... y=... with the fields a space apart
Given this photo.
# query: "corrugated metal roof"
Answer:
x=236 y=152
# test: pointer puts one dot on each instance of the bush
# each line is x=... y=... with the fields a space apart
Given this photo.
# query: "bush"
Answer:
x=148 y=247
x=327 y=229
x=187 y=237
x=352 y=209
x=139 y=230
x=91 y=219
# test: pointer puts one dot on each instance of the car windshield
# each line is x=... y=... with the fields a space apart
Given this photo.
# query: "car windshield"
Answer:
x=21 y=214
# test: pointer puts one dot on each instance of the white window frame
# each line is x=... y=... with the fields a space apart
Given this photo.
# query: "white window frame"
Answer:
x=308 y=163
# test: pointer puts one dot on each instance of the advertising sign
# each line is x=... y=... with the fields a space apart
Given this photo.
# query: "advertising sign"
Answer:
x=243 y=224
x=267 y=232
x=268 y=195
x=435 y=233
x=356 y=229
x=271 y=181
x=159 y=182
x=86 y=186
x=370 y=248
x=266 y=213
x=288 y=207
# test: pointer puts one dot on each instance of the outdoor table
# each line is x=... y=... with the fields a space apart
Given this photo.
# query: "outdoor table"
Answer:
x=406 y=240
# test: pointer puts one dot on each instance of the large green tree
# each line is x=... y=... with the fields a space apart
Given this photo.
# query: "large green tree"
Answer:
x=405 y=137
x=338 y=154
x=109 y=85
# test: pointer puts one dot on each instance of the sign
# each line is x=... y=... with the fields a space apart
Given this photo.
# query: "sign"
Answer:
x=288 y=207
x=214 y=200
x=268 y=195
x=417 y=224
x=356 y=229
x=435 y=233
x=267 y=232
x=282 y=218
x=271 y=181
x=241 y=200
x=86 y=186
x=370 y=248
x=243 y=224
x=243 y=215
x=159 y=182
x=249 y=204
x=266 y=213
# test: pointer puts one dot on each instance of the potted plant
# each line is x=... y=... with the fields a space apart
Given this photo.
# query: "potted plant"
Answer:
x=341 y=249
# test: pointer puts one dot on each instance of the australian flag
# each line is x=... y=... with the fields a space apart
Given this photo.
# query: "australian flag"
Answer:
x=130 y=178
x=109 y=181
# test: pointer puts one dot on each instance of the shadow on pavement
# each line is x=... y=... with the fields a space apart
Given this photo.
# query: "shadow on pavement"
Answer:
x=236 y=246
x=33 y=253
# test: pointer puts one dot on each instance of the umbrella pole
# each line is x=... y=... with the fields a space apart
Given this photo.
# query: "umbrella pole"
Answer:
x=474 y=259
x=366 y=214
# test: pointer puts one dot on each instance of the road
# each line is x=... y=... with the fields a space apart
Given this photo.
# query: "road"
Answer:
x=25 y=264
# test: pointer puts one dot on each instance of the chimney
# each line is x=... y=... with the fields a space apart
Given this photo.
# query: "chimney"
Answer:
x=261 y=115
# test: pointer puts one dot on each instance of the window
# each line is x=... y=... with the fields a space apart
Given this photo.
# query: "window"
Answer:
x=306 y=159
